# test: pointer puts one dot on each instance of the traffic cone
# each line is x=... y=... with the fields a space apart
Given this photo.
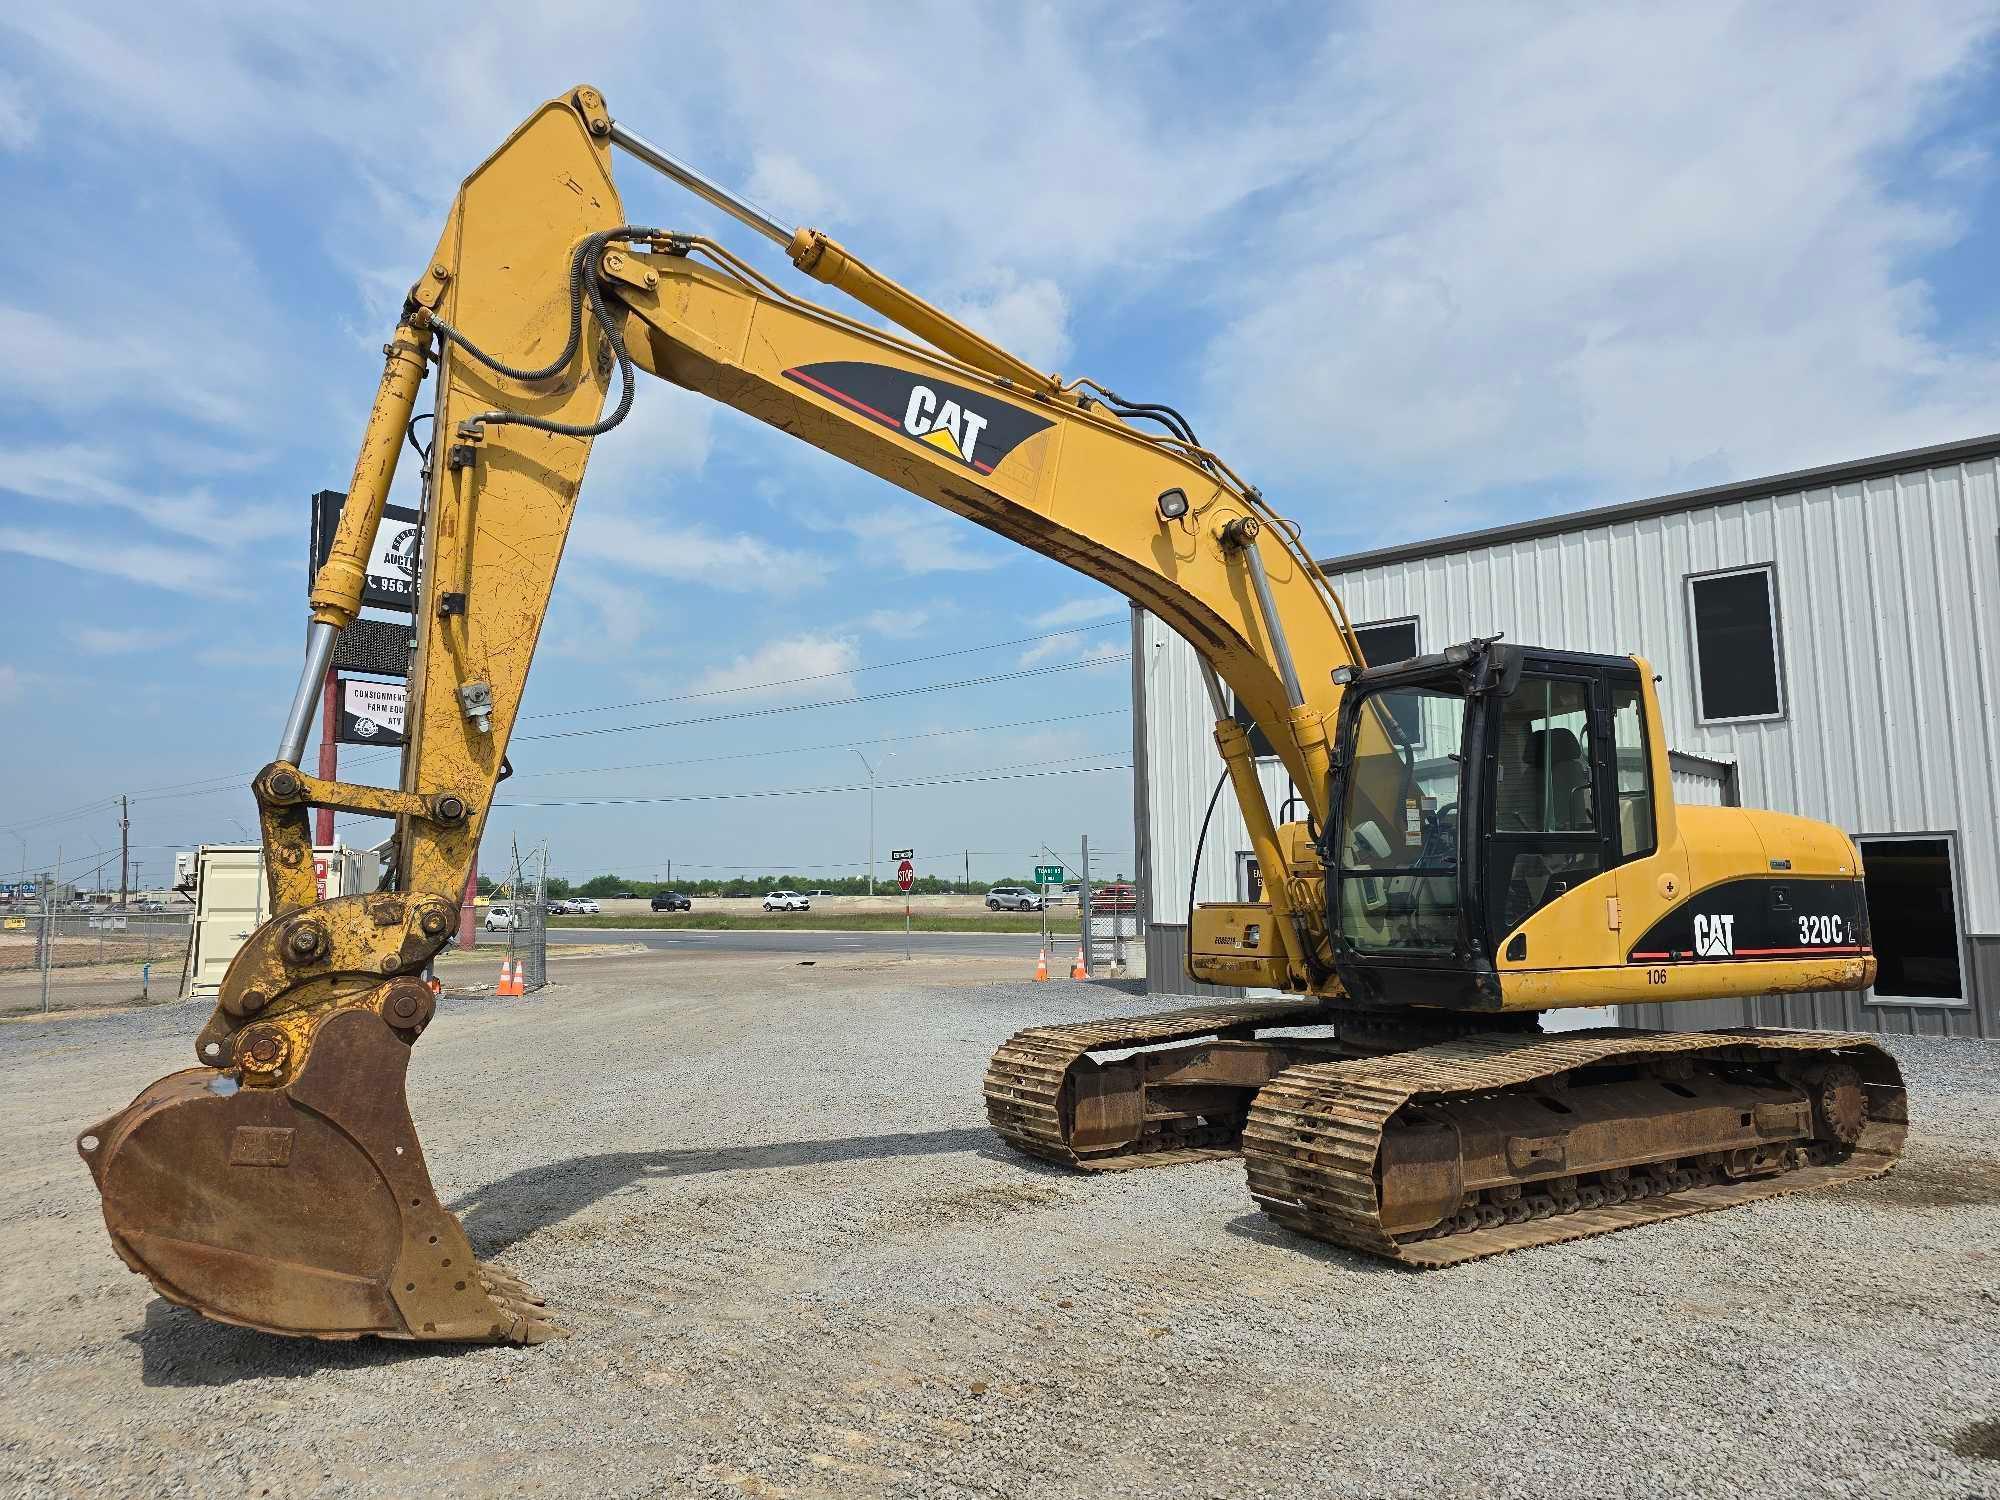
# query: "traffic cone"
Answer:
x=1079 y=971
x=1042 y=966
x=509 y=985
x=437 y=986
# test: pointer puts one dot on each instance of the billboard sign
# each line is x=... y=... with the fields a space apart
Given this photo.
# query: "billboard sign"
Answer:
x=392 y=566
x=371 y=713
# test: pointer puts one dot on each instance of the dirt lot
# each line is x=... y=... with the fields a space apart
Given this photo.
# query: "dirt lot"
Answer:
x=796 y=1263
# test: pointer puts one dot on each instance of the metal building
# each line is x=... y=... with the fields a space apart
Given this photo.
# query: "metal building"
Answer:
x=1828 y=643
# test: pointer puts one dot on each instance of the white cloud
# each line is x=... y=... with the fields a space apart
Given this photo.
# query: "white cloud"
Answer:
x=773 y=670
x=916 y=541
x=732 y=561
x=12 y=683
x=1638 y=249
x=176 y=569
x=901 y=622
x=18 y=126
x=78 y=474
x=786 y=188
x=1027 y=316
x=1082 y=612
x=77 y=362
x=98 y=641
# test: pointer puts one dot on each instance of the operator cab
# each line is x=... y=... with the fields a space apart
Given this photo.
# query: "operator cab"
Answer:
x=1471 y=789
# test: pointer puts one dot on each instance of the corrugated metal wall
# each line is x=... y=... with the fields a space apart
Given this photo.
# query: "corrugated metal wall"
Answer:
x=1888 y=599
x=1888 y=596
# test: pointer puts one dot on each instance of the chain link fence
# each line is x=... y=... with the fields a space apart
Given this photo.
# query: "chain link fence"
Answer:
x=1115 y=938
x=528 y=936
x=73 y=956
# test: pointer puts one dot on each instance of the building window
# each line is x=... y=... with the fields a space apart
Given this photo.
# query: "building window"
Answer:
x=1913 y=918
x=1387 y=641
x=1734 y=618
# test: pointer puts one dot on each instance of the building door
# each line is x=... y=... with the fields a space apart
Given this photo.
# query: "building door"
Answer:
x=1913 y=916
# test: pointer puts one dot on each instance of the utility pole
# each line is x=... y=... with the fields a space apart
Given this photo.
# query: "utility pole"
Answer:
x=124 y=851
x=329 y=749
x=1083 y=903
x=871 y=818
x=968 y=870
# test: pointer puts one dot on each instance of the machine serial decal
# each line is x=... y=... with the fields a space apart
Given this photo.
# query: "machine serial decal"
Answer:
x=1761 y=919
x=967 y=425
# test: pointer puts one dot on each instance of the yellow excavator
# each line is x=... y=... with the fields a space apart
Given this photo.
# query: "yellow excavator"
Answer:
x=1490 y=832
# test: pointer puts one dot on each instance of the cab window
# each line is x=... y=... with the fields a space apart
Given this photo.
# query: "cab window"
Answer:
x=1399 y=853
x=1545 y=838
x=1634 y=778
x=1544 y=781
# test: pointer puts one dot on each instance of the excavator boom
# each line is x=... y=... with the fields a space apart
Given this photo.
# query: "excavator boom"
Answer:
x=280 y=1183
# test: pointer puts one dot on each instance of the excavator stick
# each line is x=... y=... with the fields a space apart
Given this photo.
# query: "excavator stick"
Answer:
x=304 y=1208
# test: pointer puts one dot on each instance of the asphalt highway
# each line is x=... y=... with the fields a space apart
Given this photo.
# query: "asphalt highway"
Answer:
x=970 y=944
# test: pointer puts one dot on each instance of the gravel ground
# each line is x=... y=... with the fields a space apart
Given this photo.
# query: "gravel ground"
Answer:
x=796 y=1263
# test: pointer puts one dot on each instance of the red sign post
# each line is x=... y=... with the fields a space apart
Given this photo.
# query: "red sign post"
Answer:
x=906 y=876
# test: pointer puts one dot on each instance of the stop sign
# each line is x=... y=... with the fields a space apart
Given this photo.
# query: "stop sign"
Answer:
x=906 y=876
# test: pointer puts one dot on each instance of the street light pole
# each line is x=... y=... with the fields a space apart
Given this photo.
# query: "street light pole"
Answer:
x=871 y=818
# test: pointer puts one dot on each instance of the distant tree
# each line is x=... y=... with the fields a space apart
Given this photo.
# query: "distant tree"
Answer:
x=557 y=886
x=486 y=886
x=602 y=885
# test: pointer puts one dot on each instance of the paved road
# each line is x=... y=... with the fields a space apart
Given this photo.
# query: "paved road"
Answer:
x=975 y=944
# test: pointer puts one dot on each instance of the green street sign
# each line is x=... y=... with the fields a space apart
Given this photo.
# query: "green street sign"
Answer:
x=1048 y=874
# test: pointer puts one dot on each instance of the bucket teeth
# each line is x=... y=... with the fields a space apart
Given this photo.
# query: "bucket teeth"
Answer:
x=527 y=1315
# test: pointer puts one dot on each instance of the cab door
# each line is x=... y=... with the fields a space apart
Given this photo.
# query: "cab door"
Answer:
x=1549 y=883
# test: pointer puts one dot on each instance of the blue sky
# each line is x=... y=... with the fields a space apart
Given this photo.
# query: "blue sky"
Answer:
x=1412 y=268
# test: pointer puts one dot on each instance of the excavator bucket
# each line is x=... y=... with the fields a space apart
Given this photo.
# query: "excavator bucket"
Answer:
x=302 y=1207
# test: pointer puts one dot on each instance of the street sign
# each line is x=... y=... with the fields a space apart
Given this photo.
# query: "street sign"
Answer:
x=391 y=581
x=371 y=713
x=902 y=854
x=1048 y=874
x=906 y=876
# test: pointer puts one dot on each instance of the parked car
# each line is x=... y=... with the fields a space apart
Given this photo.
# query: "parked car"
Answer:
x=500 y=919
x=559 y=907
x=1013 y=898
x=815 y=895
x=1118 y=896
x=672 y=901
x=787 y=901
x=584 y=906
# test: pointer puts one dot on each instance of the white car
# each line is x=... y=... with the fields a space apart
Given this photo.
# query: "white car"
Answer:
x=1013 y=898
x=500 y=919
x=787 y=901
x=585 y=906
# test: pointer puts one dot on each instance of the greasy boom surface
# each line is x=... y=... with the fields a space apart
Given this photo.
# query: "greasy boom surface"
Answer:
x=765 y=1198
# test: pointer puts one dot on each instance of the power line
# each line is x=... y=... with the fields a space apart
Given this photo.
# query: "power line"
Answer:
x=814 y=791
x=792 y=708
x=885 y=739
x=210 y=785
x=880 y=666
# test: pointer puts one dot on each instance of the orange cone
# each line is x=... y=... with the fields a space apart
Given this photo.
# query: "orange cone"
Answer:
x=510 y=983
x=1042 y=965
x=1080 y=970
x=437 y=987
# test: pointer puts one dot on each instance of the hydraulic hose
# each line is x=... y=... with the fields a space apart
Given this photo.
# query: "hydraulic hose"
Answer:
x=583 y=282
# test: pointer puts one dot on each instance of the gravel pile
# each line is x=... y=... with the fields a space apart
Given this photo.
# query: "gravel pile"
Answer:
x=796 y=1263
